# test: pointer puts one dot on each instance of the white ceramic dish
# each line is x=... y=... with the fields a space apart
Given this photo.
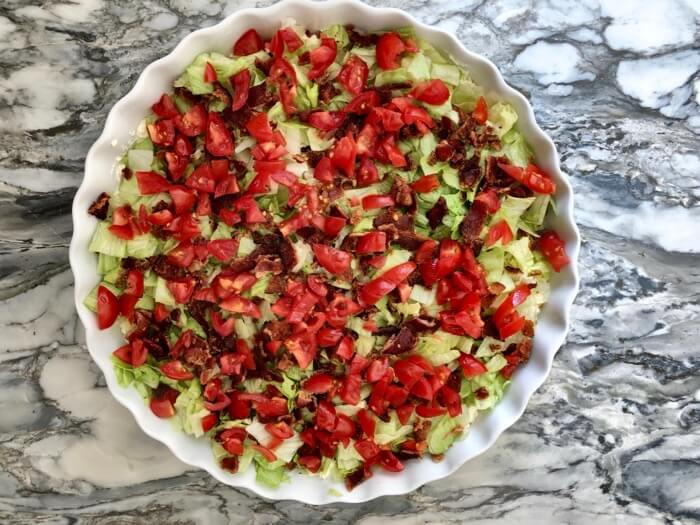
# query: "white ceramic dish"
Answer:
x=128 y=112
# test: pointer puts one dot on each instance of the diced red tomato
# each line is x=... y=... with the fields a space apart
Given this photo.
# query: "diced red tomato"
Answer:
x=552 y=247
x=182 y=289
x=372 y=202
x=471 y=366
x=209 y=73
x=426 y=184
x=248 y=43
x=389 y=47
x=241 y=89
x=162 y=408
x=319 y=383
x=107 y=308
x=371 y=242
x=343 y=155
x=326 y=120
x=499 y=232
x=389 y=153
x=362 y=103
x=367 y=173
x=162 y=132
x=219 y=141
x=223 y=249
x=333 y=225
x=150 y=182
x=531 y=177
x=183 y=198
x=326 y=417
x=322 y=57
x=123 y=353
x=175 y=370
x=433 y=92
x=346 y=348
x=134 y=283
x=165 y=107
x=481 y=111
x=430 y=411
x=259 y=128
x=367 y=140
x=353 y=75
x=193 y=122
x=331 y=259
x=389 y=462
x=328 y=337
x=378 y=287
x=241 y=305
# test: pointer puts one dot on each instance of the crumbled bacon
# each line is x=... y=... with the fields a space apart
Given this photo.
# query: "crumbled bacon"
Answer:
x=100 y=207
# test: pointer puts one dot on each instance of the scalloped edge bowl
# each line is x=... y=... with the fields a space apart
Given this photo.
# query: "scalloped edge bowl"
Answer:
x=124 y=117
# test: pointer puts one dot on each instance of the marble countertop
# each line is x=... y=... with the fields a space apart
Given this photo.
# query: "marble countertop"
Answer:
x=612 y=436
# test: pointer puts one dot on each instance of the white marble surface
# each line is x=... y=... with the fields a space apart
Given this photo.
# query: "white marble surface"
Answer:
x=614 y=434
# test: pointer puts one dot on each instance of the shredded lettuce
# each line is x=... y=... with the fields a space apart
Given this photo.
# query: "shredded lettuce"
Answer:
x=391 y=432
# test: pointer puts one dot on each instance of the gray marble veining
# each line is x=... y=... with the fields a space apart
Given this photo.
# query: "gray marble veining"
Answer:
x=614 y=434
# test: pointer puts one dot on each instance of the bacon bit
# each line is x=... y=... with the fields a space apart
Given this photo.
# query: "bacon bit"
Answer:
x=100 y=207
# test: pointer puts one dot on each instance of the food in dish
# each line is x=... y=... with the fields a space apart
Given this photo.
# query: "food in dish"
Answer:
x=326 y=252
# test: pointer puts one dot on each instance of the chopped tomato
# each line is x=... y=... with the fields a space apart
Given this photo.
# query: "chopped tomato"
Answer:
x=343 y=155
x=552 y=247
x=389 y=47
x=290 y=38
x=319 y=383
x=134 y=283
x=223 y=249
x=367 y=173
x=177 y=164
x=339 y=309
x=471 y=366
x=182 y=255
x=259 y=128
x=175 y=370
x=426 y=184
x=222 y=327
x=481 y=111
x=248 y=43
x=107 y=308
x=162 y=408
x=362 y=103
x=139 y=353
x=324 y=172
x=265 y=452
x=241 y=305
x=389 y=153
x=326 y=120
x=367 y=140
x=280 y=430
x=378 y=287
x=372 y=202
x=162 y=132
x=386 y=119
x=241 y=89
x=182 y=289
x=183 y=199
x=123 y=353
x=150 y=182
x=333 y=225
x=322 y=57
x=219 y=141
x=371 y=242
x=499 y=232
x=125 y=232
x=531 y=177
x=490 y=199
x=202 y=179
x=353 y=75
x=433 y=92
x=303 y=348
x=345 y=349
x=209 y=73
x=389 y=461
x=193 y=122
x=331 y=259
x=165 y=107
x=449 y=258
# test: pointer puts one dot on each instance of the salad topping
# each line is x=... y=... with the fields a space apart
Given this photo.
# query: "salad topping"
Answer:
x=326 y=251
